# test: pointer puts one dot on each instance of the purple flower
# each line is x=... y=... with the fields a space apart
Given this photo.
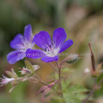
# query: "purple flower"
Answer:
x=21 y=44
x=52 y=48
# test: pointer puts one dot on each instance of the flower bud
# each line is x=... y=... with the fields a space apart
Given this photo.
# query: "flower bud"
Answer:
x=12 y=74
x=46 y=89
x=72 y=59
x=86 y=70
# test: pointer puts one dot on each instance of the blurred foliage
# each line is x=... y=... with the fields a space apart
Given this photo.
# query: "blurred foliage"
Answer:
x=83 y=22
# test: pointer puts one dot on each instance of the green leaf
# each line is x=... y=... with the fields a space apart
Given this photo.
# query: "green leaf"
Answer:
x=65 y=84
x=77 y=89
x=55 y=75
x=80 y=96
x=70 y=98
x=29 y=65
x=57 y=99
x=67 y=70
x=54 y=101
x=72 y=93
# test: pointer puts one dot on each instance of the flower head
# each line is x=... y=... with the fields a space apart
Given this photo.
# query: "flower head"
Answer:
x=21 y=44
x=51 y=48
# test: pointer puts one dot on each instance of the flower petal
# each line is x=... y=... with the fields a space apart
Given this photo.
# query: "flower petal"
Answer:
x=28 y=33
x=30 y=53
x=59 y=36
x=66 y=45
x=49 y=59
x=17 y=42
x=15 y=56
x=43 y=39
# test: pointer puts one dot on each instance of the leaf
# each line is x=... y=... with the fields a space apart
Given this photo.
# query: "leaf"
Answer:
x=80 y=96
x=77 y=89
x=73 y=94
x=65 y=84
x=57 y=99
x=55 y=88
x=54 y=101
x=69 y=98
x=29 y=65
x=55 y=75
x=67 y=70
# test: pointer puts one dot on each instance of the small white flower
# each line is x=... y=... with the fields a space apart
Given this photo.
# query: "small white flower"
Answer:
x=24 y=70
x=28 y=71
x=5 y=80
x=35 y=67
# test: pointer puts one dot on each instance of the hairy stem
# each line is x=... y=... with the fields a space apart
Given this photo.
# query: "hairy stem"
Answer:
x=59 y=73
x=55 y=69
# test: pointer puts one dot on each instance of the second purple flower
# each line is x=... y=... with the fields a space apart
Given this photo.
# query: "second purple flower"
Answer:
x=51 y=48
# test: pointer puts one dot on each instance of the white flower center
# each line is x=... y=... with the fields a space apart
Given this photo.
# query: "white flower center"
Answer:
x=26 y=45
x=52 y=51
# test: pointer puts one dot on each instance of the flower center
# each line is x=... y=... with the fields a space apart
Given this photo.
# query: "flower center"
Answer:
x=25 y=45
x=51 y=50
x=28 y=45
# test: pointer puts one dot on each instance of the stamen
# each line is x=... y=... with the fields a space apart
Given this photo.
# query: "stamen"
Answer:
x=45 y=49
